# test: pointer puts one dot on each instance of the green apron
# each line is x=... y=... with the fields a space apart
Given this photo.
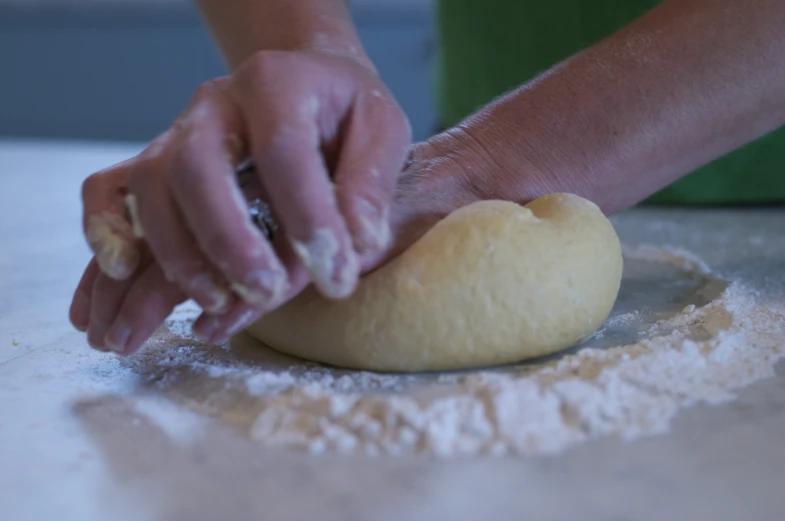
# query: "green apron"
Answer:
x=488 y=48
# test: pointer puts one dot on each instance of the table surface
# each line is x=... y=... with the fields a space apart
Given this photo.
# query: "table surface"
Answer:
x=66 y=411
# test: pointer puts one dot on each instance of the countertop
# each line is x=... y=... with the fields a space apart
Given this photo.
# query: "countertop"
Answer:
x=62 y=405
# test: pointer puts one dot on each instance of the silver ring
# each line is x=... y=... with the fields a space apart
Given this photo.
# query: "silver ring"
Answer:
x=258 y=210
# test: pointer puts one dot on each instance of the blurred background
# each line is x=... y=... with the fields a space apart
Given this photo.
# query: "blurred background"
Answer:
x=121 y=70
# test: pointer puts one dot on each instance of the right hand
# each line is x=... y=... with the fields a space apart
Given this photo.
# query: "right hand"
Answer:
x=328 y=141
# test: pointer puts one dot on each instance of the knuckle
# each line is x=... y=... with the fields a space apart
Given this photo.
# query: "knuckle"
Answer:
x=107 y=180
x=252 y=74
x=385 y=105
x=207 y=98
x=398 y=120
x=159 y=147
x=91 y=185
x=277 y=146
x=406 y=128
x=139 y=175
x=210 y=89
x=390 y=119
x=264 y=63
x=148 y=165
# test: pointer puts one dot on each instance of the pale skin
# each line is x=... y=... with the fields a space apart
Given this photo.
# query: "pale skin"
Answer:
x=686 y=83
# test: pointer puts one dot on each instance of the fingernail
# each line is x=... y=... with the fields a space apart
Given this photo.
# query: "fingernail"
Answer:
x=117 y=337
x=205 y=328
x=217 y=329
x=374 y=227
x=97 y=346
x=102 y=349
x=344 y=276
x=238 y=324
x=218 y=301
x=215 y=299
x=262 y=287
x=334 y=273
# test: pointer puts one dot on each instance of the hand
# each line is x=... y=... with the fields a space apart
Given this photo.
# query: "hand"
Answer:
x=431 y=186
x=328 y=142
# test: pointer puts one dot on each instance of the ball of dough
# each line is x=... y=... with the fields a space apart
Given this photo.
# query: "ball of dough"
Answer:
x=492 y=283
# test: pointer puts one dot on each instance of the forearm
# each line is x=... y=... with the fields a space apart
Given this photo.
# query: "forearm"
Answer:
x=243 y=27
x=685 y=84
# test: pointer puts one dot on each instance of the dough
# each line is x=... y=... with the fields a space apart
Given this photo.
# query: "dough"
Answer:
x=492 y=283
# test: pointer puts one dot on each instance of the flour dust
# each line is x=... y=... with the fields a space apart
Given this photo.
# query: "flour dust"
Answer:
x=629 y=380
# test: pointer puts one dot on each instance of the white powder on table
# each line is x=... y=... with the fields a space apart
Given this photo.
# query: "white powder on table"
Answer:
x=702 y=354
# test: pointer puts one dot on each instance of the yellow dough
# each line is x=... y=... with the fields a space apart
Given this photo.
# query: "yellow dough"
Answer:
x=494 y=282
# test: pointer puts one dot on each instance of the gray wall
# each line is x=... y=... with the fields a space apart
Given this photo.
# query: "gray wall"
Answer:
x=123 y=70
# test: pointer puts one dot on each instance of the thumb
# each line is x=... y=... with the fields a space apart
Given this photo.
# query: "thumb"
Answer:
x=106 y=223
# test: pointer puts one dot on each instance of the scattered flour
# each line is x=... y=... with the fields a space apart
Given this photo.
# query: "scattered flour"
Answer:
x=702 y=354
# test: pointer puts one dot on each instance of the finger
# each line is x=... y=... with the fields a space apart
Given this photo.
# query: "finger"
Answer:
x=211 y=328
x=296 y=271
x=285 y=144
x=106 y=225
x=107 y=298
x=145 y=306
x=79 y=313
x=204 y=184
x=375 y=145
x=174 y=247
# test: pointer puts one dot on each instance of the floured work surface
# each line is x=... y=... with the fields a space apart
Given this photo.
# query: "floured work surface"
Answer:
x=679 y=335
x=84 y=436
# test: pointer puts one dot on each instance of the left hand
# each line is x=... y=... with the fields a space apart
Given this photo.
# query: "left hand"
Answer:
x=431 y=186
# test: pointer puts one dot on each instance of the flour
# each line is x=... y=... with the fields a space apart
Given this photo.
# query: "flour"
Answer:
x=701 y=354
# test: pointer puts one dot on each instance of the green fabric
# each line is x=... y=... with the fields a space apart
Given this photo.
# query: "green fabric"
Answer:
x=489 y=48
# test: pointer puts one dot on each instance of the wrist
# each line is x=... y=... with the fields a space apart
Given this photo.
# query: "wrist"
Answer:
x=241 y=28
x=558 y=133
x=450 y=171
x=483 y=165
